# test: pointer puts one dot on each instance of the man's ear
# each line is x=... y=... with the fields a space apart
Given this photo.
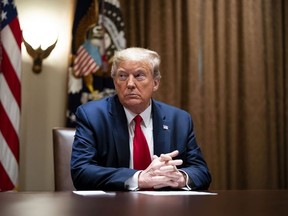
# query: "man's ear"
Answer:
x=156 y=84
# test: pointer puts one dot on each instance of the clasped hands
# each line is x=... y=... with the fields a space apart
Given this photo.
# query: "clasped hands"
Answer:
x=162 y=172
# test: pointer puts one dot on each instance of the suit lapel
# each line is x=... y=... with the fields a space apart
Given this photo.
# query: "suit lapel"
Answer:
x=161 y=130
x=120 y=132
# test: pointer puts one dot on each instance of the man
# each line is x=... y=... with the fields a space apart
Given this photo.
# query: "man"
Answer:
x=104 y=155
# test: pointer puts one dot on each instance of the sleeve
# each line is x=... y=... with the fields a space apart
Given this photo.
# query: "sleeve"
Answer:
x=194 y=164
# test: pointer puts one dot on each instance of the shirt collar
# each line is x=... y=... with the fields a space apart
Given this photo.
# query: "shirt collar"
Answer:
x=146 y=115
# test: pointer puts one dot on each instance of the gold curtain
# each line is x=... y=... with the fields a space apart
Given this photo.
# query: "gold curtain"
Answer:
x=225 y=62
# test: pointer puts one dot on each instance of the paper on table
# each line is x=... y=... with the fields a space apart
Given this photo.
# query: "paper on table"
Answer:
x=94 y=193
x=172 y=193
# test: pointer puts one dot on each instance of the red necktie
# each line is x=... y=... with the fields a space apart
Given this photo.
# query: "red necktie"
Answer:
x=141 y=154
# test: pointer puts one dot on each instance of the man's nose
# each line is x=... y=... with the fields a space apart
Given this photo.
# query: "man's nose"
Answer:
x=130 y=81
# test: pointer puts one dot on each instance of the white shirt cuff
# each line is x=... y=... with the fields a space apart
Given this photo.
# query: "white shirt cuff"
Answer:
x=132 y=183
x=187 y=181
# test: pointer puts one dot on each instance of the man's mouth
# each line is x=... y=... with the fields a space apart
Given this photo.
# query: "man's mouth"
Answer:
x=132 y=96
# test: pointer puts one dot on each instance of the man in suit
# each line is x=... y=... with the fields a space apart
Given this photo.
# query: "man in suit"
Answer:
x=104 y=153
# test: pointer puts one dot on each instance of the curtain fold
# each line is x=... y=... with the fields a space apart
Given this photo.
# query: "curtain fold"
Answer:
x=225 y=62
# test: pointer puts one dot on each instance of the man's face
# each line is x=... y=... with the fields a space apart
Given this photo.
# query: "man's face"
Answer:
x=135 y=85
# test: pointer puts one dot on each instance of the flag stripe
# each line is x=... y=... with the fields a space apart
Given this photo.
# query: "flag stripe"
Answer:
x=90 y=66
x=81 y=60
x=12 y=80
x=8 y=161
x=9 y=104
x=83 y=55
x=14 y=27
x=80 y=53
x=85 y=64
x=9 y=133
x=5 y=179
x=12 y=48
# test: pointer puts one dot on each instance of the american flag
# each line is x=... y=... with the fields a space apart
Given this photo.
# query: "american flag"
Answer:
x=10 y=95
x=87 y=60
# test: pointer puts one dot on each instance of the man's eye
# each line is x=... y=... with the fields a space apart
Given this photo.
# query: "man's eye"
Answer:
x=140 y=76
x=122 y=76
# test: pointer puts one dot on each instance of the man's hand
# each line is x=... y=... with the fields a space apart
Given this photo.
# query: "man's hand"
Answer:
x=162 y=172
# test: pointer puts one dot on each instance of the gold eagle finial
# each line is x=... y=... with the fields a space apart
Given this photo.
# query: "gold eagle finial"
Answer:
x=38 y=55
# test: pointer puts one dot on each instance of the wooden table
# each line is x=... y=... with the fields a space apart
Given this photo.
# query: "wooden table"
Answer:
x=232 y=203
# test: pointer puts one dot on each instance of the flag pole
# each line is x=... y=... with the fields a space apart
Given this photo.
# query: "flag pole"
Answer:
x=89 y=78
x=105 y=63
x=96 y=2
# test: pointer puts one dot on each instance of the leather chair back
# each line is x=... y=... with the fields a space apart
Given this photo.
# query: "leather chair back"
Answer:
x=62 y=148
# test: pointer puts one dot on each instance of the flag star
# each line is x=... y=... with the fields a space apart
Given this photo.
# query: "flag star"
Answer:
x=5 y=2
x=3 y=15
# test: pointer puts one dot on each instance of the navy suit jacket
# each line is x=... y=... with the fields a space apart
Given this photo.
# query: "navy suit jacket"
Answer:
x=101 y=155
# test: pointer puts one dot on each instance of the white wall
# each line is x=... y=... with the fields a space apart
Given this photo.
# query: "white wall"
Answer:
x=44 y=94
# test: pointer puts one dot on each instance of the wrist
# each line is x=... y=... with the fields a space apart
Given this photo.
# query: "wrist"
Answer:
x=140 y=182
x=186 y=181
